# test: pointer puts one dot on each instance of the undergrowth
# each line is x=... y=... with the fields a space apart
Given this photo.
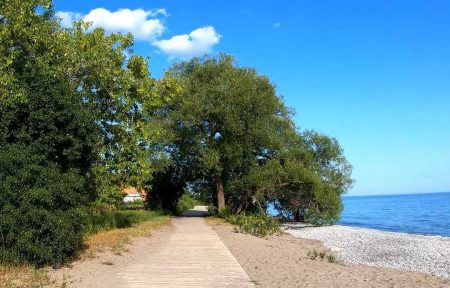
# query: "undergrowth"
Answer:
x=97 y=221
x=261 y=225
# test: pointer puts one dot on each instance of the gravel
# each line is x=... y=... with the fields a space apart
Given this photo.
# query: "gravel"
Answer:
x=408 y=252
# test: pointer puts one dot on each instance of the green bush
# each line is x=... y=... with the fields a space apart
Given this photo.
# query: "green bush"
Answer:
x=186 y=202
x=212 y=210
x=261 y=225
x=224 y=213
x=40 y=216
x=109 y=195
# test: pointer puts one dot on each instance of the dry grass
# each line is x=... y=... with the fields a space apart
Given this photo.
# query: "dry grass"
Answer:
x=215 y=221
x=116 y=240
x=23 y=276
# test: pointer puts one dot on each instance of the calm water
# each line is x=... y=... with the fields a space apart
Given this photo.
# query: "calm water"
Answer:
x=415 y=213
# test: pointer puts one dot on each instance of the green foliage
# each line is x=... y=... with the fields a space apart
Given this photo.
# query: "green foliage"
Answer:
x=47 y=140
x=332 y=259
x=39 y=219
x=109 y=196
x=212 y=210
x=233 y=133
x=186 y=202
x=224 y=213
x=81 y=117
x=97 y=221
x=221 y=117
x=261 y=225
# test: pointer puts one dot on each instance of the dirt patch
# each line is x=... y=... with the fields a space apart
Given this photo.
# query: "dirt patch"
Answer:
x=282 y=261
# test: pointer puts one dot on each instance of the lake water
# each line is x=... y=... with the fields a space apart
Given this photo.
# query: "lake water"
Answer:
x=427 y=214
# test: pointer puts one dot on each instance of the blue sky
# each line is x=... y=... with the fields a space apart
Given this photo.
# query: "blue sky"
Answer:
x=373 y=74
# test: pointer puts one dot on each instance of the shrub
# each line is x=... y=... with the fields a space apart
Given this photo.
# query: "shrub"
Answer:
x=261 y=225
x=40 y=216
x=186 y=202
x=212 y=210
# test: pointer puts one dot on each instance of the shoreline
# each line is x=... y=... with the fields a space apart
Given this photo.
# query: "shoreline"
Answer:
x=428 y=254
x=388 y=231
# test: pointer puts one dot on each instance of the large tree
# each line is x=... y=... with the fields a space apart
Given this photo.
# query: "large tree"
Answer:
x=223 y=117
x=236 y=138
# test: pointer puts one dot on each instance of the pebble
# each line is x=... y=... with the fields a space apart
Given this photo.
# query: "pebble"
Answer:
x=408 y=252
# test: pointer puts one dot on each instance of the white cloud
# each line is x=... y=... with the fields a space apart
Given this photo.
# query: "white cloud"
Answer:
x=146 y=25
x=67 y=18
x=161 y=11
x=277 y=24
x=140 y=22
x=185 y=46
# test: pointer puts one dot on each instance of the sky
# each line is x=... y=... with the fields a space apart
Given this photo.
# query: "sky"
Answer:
x=373 y=74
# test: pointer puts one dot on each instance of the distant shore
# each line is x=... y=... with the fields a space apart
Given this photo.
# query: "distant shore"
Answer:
x=408 y=252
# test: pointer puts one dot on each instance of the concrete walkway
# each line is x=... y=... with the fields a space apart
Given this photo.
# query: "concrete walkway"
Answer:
x=192 y=256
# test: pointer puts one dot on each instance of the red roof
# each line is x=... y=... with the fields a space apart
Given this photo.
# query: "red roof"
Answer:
x=130 y=190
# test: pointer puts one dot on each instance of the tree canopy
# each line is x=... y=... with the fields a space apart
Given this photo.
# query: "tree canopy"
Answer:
x=237 y=138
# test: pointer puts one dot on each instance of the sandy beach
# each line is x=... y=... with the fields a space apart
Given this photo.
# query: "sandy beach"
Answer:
x=281 y=261
x=408 y=252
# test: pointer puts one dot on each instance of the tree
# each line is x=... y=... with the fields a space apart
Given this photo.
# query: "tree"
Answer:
x=116 y=87
x=237 y=139
x=222 y=117
x=76 y=112
x=47 y=139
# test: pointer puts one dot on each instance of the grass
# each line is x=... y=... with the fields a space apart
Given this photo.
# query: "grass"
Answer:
x=23 y=276
x=98 y=221
x=212 y=220
x=110 y=230
x=117 y=239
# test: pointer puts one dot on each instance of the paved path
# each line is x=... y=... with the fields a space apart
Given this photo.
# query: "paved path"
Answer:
x=192 y=256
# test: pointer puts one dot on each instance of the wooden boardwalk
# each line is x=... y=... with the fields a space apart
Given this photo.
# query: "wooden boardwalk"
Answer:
x=192 y=256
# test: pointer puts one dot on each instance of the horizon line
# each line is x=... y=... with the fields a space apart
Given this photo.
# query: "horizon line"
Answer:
x=395 y=194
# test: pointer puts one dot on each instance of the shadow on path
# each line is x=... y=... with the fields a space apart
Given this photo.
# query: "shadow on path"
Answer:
x=197 y=211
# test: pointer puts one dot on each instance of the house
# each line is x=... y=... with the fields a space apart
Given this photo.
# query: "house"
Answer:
x=133 y=194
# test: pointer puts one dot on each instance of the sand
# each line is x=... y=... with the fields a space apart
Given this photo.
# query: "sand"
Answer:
x=409 y=252
x=281 y=261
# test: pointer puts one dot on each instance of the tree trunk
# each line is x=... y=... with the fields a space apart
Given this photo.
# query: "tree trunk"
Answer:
x=243 y=203
x=220 y=193
x=299 y=217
